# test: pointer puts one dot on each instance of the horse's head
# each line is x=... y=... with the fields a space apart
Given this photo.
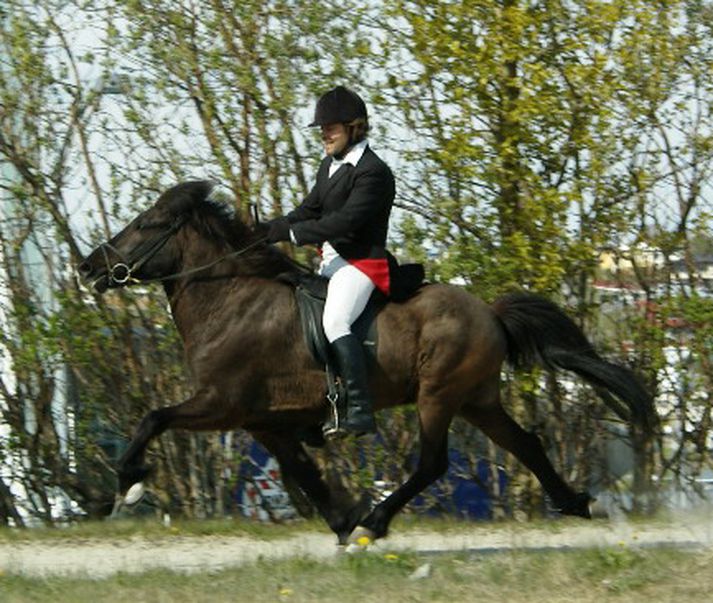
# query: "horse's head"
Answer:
x=146 y=248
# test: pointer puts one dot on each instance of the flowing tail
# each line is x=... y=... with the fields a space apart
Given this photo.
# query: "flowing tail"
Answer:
x=540 y=333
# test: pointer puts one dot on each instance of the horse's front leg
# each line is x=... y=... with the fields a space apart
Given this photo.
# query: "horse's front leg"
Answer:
x=335 y=506
x=199 y=412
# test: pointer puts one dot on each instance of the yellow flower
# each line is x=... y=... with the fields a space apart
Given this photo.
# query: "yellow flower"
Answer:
x=391 y=557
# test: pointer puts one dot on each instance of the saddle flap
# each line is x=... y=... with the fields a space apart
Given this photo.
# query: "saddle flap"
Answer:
x=311 y=308
x=310 y=294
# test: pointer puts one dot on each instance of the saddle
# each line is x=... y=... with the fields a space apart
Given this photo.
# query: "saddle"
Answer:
x=310 y=294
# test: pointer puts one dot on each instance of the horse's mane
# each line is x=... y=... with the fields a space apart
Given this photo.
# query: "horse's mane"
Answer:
x=219 y=222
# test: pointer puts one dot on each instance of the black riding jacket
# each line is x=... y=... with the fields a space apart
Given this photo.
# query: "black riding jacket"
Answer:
x=350 y=210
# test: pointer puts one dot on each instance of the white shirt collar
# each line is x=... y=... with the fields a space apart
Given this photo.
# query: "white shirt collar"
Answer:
x=352 y=157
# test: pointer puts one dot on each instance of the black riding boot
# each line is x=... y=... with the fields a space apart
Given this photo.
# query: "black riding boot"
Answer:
x=351 y=363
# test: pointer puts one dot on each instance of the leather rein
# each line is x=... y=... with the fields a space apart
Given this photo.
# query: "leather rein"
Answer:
x=122 y=272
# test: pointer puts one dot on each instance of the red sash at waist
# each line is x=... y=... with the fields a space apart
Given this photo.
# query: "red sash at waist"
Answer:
x=377 y=270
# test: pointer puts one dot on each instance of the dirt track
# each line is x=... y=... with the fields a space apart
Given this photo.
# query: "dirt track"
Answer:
x=99 y=558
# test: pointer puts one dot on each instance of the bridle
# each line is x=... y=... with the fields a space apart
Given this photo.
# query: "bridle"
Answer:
x=122 y=272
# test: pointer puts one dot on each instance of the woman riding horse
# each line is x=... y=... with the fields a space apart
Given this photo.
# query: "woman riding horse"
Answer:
x=347 y=214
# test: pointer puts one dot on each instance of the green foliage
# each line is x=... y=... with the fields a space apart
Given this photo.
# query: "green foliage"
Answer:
x=548 y=132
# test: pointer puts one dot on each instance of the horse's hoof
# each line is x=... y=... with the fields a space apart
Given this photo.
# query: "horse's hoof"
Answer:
x=134 y=494
x=360 y=539
x=578 y=506
x=598 y=510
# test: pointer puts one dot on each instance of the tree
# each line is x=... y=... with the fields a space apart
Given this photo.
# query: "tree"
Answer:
x=527 y=137
x=163 y=91
x=533 y=122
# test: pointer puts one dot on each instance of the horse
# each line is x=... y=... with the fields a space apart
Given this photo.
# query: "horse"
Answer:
x=442 y=349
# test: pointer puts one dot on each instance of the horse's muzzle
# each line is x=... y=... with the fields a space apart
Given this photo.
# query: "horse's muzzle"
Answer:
x=95 y=279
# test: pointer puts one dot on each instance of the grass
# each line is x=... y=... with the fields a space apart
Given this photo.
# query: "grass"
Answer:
x=150 y=528
x=618 y=573
x=613 y=574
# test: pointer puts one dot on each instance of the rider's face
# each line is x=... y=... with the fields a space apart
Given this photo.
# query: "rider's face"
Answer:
x=335 y=138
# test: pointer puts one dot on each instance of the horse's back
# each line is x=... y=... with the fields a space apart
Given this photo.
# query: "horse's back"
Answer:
x=441 y=330
x=445 y=305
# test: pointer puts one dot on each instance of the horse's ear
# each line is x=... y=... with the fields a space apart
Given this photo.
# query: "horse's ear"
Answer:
x=184 y=196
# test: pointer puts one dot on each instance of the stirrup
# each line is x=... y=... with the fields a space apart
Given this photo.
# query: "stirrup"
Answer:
x=331 y=428
x=336 y=430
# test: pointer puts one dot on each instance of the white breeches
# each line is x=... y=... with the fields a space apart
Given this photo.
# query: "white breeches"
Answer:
x=347 y=295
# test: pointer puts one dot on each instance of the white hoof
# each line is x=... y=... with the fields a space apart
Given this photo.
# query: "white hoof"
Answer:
x=360 y=539
x=134 y=494
x=353 y=549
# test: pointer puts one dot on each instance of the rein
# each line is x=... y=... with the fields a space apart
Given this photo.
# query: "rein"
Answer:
x=121 y=272
x=177 y=275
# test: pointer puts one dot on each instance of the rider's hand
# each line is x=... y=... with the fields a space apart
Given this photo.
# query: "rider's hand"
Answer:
x=278 y=230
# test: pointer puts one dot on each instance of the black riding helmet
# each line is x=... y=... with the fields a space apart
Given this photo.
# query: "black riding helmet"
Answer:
x=338 y=106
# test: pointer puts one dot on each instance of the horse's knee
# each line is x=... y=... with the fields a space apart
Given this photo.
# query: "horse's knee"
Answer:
x=204 y=411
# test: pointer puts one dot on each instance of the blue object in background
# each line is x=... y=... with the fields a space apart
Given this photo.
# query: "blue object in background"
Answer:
x=260 y=493
x=459 y=492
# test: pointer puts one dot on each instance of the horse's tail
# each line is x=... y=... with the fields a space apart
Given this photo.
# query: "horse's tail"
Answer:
x=539 y=332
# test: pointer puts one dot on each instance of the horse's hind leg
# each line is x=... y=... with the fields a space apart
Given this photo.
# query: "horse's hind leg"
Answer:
x=490 y=417
x=434 y=419
x=336 y=508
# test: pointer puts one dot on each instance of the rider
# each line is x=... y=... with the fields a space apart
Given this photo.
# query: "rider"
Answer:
x=347 y=213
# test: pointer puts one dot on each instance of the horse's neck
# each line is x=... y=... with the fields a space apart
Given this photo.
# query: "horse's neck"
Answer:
x=200 y=299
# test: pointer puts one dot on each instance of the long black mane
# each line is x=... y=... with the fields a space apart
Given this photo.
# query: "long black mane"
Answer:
x=218 y=222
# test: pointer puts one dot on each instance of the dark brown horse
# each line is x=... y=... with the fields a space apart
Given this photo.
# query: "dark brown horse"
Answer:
x=443 y=350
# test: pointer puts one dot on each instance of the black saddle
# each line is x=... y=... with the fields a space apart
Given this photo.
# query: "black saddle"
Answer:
x=311 y=293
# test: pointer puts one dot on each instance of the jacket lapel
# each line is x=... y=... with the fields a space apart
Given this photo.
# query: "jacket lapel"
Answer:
x=336 y=177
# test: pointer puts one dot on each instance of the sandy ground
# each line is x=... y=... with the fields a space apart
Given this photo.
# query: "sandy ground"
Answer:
x=99 y=558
